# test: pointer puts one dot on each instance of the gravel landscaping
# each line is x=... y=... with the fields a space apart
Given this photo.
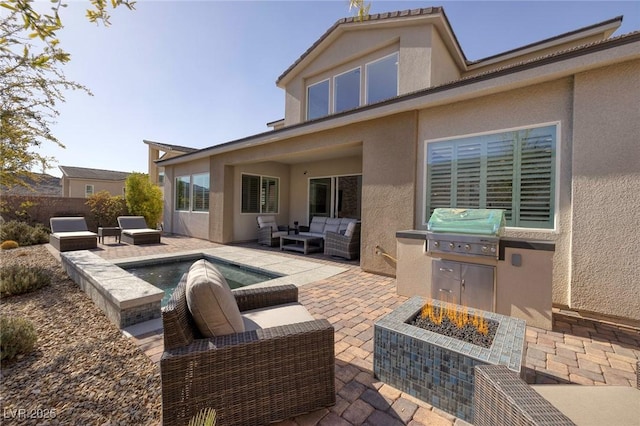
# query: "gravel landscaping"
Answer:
x=83 y=370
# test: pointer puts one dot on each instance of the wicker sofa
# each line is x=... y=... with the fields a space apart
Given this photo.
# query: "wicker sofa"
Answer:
x=502 y=398
x=134 y=230
x=257 y=376
x=71 y=233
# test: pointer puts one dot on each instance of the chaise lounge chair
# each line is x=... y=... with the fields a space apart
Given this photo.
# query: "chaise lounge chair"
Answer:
x=135 y=231
x=71 y=233
x=267 y=359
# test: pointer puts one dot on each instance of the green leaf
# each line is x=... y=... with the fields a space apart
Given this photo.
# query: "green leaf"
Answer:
x=8 y=6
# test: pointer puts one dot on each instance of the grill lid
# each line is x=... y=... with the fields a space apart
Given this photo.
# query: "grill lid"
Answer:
x=467 y=221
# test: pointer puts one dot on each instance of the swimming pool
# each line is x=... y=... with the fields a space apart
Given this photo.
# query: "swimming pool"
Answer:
x=167 y=275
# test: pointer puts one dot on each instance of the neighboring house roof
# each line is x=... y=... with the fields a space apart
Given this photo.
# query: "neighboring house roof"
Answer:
x=93 y=174
x=395 y=105
x=39 y=184
x=168 y=147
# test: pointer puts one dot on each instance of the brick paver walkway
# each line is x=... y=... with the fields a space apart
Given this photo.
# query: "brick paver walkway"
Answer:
x=578 y=350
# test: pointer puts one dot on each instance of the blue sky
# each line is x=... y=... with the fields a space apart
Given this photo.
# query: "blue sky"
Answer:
x=200 y=73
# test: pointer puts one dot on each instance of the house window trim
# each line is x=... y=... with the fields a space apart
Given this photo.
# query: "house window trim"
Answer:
x=333 y=89
x=329 y=97
x=86 y=193
x=557 y=170
x=366 y=74
x=261 y=176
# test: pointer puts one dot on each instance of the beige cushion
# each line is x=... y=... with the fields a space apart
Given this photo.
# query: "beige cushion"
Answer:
x=211 y=302
x=273 y=316
x=344 y=222
x=350 y=228
x=77 y=234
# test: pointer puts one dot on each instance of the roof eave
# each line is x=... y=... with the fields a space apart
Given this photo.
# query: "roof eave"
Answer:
x=530 y=73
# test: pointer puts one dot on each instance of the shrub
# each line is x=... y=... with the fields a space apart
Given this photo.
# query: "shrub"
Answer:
x=143 y=198
x=23 y=233
x=106 y=208
x=18 y=279
x=9 y=245
x=17 y=336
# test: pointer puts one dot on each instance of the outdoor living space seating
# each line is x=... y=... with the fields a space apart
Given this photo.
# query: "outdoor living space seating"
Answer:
x=345 y=245
x=502 y=398
x=269 y=232
x=254 y=355
x=134 y=230
x=71 y=233
x=320 y=225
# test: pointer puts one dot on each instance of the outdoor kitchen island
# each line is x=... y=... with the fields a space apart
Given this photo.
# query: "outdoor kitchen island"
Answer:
x=522 y=271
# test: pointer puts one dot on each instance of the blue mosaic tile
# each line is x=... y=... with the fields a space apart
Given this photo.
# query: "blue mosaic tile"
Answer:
x=438 y=369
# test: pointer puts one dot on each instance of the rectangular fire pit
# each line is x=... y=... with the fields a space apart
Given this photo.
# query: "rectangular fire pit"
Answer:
x=438 y=369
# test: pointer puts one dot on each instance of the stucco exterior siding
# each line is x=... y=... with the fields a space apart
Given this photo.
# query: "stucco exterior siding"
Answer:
x=75 y=188
x=544 y=103
x=606 y=192
x=355 y=49
x=443 y=67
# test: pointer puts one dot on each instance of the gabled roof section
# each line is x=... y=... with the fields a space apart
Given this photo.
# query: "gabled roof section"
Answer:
x=92 y=174
x=168 y=147
x=378 y=18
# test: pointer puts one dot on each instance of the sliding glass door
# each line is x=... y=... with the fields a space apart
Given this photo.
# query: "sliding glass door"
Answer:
x=336 y=196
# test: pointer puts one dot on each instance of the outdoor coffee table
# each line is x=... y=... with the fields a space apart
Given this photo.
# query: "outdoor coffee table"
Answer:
x=108 y=231
x=303 y=243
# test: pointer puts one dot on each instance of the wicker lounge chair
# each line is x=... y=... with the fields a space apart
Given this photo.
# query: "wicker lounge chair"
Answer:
x=71 y=233
x=253 y=377
x=135 y=231
x=347 y=245
x=269 y=232
x=502 y=398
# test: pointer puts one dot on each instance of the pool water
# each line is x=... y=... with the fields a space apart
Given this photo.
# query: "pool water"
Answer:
x=166 y=276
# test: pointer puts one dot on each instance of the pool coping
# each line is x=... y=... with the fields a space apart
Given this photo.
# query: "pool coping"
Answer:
x=129 y=302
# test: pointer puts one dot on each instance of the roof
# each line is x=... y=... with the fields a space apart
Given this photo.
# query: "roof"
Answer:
x=403 y=14
x=93 y=174
x=168 y=147
x=275 y=135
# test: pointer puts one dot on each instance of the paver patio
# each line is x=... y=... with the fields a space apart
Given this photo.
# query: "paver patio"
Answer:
x=578 y=350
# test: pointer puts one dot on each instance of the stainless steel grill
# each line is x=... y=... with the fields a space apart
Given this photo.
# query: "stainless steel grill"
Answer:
x=472 y=235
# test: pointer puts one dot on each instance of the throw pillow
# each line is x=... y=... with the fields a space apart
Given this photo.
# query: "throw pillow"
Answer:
x=350 y=228
x=211 y=302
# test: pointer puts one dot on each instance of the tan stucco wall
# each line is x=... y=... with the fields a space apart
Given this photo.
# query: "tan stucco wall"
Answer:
x=543 y=103
x=606 y=192
x=443 y=67
x=193 y=224
x=76 y=187
x=355 y=48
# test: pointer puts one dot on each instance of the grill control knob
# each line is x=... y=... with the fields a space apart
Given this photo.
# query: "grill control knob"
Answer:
x=493 y=249
x=467 y=247
x=451 y=246
x=436 y=243
x=485 y=249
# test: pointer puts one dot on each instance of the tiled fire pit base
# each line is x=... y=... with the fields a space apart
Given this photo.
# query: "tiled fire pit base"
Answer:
x=439 y=369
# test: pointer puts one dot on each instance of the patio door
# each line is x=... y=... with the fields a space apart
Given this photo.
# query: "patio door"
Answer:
x=336 y=196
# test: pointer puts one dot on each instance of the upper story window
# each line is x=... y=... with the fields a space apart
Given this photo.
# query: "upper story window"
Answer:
x=161 y=178
x=347 y=90
x=88 y=191
x=343 y=92
x=514 y=171
x=318 y=100
x=382 y=79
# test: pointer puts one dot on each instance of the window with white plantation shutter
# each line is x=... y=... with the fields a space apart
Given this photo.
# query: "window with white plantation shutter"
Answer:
x=513 y=171
x=260 y=194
